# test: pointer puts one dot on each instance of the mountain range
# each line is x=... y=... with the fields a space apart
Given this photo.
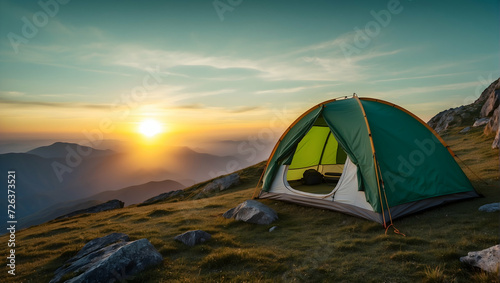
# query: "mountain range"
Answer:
x=60 y=173
x=130 y=195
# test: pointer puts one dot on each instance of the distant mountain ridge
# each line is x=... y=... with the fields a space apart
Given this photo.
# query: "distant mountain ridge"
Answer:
x=61 y=150
x=138 y=193
x=129 y=195
x=104 y=174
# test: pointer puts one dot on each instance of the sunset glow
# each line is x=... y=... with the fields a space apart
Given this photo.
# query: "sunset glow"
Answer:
x=150 y=128
x=238 y=73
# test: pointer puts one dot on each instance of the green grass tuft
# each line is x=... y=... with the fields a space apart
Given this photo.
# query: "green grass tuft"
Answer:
x=434 y=275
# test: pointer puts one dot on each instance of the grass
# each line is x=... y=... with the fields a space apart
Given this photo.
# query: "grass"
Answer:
x=309 y=244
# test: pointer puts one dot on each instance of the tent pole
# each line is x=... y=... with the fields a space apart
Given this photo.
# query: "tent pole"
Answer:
x=324 y=148
x=374 y=160
x=256 y=191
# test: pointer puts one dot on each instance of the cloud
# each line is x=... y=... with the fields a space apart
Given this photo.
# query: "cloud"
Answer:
x=334 y=44
x=291 y=90
x=52 y=104
x=244 y=109
x=322 y=61
x=190 y=95
x=12 y=93
x=408 y=91
x=318 y=62
x=219 y=110
x=418 y=77
x=188 y=106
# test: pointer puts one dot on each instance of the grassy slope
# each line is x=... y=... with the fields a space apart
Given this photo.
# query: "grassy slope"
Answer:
x=309 y=244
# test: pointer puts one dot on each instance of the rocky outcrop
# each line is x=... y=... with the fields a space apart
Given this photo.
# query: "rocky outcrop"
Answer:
x=252 y=211
x=492 y=108
x=494 y=126
x=492 y=101
x=481 y=122
x=162 y=197
x=455 y=117
x=222 y=183
x=488 y=259
x=484 y=111
x=194 y=237
x=112 y=258
x=496 y=141
x=110 y=205
x=492 y=207
x=99 y=243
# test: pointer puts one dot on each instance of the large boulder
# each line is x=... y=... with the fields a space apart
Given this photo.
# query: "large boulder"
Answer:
x=109 y=259
x=162 y=197
x=110 y=205
x=99 y=243
x=252 y=211
x=487 y=259
x=194 y=237
x=222 y=183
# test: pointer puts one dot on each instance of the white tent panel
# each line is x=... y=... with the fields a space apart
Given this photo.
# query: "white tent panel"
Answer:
x=345 y=192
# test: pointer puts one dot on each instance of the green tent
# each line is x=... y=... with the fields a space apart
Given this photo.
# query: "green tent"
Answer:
x=379 y=161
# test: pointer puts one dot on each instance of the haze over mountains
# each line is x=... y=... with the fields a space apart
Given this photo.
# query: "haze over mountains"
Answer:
x=130 y=195
x=61 y=173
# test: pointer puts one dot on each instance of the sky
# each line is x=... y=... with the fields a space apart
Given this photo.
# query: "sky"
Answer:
x=231 y=69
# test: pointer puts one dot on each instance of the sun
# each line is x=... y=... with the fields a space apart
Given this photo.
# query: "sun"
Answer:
x=150 y=128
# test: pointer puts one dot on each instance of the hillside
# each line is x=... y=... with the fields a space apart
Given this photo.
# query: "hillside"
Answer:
x=55 y=211
x=309 y=244
x=484 y=113
x=130 y=195
x=137 y=194
x=64 y=172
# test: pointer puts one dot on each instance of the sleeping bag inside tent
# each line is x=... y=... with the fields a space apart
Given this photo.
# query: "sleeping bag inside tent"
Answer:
x=364 y=157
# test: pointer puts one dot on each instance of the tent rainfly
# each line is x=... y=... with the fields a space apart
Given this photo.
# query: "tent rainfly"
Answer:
x=379 y=162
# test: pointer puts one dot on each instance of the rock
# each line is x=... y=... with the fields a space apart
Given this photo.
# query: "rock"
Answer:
x=493 y=124
x=496 y=142
x=273 y=228
x=163 y=196
x=110 y=205
x=465 y=130
x=252 y=211
x=193 y=237
x=492 y=207
x=491 y=103
x=222 y=183
x=99 y=243
x=454 y=117
x=109 y=259
x=481 y=122
x=488 y=259
x=229 y=214
x=483 y=107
